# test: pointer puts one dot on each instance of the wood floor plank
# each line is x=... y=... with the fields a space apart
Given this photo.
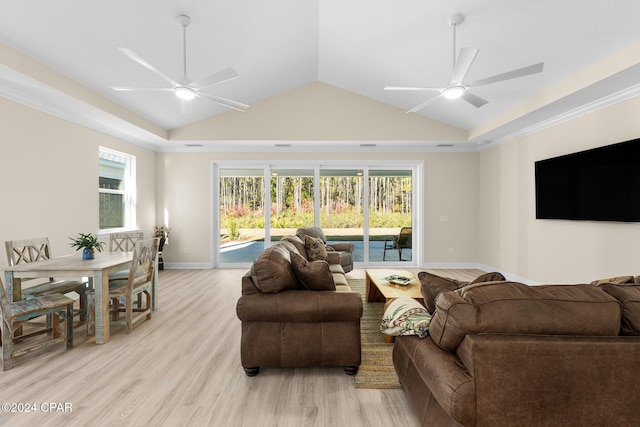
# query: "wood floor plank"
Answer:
x=183 y=368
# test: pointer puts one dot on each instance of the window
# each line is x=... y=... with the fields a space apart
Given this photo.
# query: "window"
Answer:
x=116 y=185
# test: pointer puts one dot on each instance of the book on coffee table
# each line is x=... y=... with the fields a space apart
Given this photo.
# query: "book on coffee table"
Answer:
x=397 y=279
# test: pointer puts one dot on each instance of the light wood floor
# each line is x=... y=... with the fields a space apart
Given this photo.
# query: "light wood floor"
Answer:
x=183 y=368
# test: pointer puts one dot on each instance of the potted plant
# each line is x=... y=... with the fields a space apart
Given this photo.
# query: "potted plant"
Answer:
x=88 y=243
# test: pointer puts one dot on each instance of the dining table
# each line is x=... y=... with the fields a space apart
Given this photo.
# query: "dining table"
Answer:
x=73 y=266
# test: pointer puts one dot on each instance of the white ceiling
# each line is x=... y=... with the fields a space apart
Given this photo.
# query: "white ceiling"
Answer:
x=357 y=45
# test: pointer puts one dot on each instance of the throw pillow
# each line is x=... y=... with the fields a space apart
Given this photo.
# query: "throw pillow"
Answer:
x=315 y=248
x=488 y=277
x=314 y=276
x=615 y=280
x=405 y=316
x=433 y=285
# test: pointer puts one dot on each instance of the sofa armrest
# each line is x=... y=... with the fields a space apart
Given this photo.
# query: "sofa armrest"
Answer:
x=333 y=257
x=423 y=367
x=300 y=306
x=342 y=246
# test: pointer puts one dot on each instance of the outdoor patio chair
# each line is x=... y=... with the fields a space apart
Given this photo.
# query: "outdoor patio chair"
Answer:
x=401 y=241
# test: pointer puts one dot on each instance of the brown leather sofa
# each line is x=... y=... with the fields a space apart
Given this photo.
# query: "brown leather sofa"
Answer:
x=287 y=321
x=508 y=354
x=338 y=252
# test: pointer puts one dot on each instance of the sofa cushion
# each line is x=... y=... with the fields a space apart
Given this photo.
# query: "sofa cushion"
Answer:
x=433 y=285
x=272 y=271
x=316 y=250
x=405 y=316
x=515 y=308
x=629 y=297
x=314 y=275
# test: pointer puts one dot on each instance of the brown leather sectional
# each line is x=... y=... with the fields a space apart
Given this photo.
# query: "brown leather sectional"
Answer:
x=508 y=354
x=285 y=323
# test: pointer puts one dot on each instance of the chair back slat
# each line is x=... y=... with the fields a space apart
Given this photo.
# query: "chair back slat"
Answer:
x=124 y=242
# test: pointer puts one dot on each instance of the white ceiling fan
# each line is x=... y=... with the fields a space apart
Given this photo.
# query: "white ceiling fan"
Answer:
x=458 y=87
x=184 y=88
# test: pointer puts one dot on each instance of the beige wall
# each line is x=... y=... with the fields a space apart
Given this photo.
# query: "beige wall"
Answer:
x=510 y=237
x=49 y=172
x=450 y=183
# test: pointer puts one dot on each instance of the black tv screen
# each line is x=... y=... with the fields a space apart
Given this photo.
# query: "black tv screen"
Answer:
x=602 y=184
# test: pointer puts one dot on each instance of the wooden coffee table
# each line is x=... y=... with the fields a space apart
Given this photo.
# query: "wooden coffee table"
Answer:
x=378 y=289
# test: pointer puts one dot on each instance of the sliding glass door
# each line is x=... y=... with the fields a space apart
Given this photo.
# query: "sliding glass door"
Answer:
x=342 y=207
x=240 y=226
x=292 y=195
x=391 y=216
x=371 y=206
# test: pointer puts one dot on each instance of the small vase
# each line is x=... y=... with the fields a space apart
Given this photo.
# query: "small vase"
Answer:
x=87 y=253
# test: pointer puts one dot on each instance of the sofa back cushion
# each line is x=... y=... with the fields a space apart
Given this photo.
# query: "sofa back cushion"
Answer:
x=297 y=242
x=272 y=271
x=515 y=308
x=629 y=297
x=433 y=285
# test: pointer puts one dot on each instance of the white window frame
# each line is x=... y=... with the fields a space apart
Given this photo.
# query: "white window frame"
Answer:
x=128 y=192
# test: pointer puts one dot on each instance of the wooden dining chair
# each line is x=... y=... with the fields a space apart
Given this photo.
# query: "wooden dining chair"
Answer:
x=124 y=241
x=123 y=293
x=16 y=315
x=34 y=250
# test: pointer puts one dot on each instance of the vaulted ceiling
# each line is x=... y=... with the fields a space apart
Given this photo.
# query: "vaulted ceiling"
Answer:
x=359 y=46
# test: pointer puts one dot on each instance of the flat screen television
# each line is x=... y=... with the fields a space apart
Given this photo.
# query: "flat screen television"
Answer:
x=601 y=184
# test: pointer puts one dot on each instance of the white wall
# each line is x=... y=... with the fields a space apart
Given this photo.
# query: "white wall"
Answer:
x=49 y=172
x=510 y=237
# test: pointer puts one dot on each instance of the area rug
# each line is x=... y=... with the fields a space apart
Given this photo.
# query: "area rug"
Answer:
x=376 y=369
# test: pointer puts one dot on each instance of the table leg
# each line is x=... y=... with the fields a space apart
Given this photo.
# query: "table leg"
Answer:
x=101 y=289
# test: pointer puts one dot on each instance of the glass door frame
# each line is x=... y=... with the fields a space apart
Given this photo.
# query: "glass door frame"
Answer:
x=417 y=216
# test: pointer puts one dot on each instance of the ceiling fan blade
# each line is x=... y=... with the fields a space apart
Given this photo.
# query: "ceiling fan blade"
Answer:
x=185 y=106
x=434 y=89
x=424 y=104
x=465 y=59
x=137 y=58
x=520 y=72
x=219 y=77
x=474 y=100
x=131 y=89
x=223 y=101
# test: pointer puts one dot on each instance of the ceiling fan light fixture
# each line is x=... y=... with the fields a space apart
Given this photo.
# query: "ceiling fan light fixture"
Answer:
x=185 y=93
x=453 y=92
